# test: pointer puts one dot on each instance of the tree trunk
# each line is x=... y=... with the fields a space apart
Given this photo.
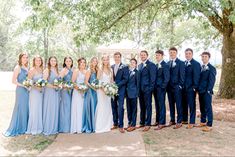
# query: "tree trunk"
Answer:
x=227 y=81
x=45 y=44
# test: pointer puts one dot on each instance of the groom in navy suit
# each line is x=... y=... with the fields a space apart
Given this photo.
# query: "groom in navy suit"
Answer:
x=147 y=72
x=162 y=79
x=192 y=75
x=120 y=75
x=175 y=86
x=205 y=90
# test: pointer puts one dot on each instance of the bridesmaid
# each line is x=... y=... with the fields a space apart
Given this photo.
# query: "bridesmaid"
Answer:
x=90 y=98
x=35 y=98
x=78 y=97
x=51 y=99
x=19 y=120
x=66 y=97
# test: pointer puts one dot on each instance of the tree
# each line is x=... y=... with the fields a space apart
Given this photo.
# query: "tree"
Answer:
x=108 y=20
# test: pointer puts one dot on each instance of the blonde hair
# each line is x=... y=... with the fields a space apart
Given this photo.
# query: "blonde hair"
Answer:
x=92 y=68
x=102 y=66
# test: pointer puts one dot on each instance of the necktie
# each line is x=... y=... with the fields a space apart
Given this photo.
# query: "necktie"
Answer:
x=115 y=69
x=141 y=66
x=171 y=63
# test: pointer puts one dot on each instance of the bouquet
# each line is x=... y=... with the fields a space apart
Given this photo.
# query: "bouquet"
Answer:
x=82 y=87
x=95 y=84
x=27 y=83
x=40 y=83
x=58 y=83
x=68 y=85
x=111 y=89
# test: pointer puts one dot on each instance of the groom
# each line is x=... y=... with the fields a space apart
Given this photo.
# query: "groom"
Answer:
x=120 y=75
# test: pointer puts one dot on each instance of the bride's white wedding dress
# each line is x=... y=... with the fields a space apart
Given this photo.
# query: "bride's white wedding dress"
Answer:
x=104 y=117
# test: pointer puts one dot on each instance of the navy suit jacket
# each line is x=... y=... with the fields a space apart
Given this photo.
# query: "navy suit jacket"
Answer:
x=192 y=75
x=207 y=79
x=147 y=76
x=162 y=75
x=121 y=78
x=177 y=74
x=133 y=84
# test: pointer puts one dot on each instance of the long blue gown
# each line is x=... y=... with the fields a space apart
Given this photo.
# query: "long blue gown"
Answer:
x=19 y=120
x=50 y=118
x=90 y=102
x=35 y=109
x=65 y=106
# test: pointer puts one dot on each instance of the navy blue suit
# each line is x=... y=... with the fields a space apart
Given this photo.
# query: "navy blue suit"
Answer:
x=147 y=76
x=162 y=79
x=174 y=89
x=192 y=76
x=120 y=79
x=132 y=92
x=205 y=90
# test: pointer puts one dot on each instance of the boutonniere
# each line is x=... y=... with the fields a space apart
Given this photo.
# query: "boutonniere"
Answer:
x=189 y=63
x=122 y=66
x=144 y=65
x=173 y=64
x=159 y=66
x=132 y=73
x=205 y=68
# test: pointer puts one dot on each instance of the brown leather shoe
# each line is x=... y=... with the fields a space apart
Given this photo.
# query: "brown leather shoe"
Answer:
x=170 y=124
x=190 y=126
x=207 y=129
x=177 y=126
x=121 y=130
x=184 y=122
x=114 y=127
x=127 y=127
x=200 y=125
x=146 y=128
x=159 y=127
x=140 y=126
x=131 y=129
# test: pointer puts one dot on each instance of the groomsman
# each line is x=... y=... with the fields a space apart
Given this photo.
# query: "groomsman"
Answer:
x=120 y=75
x=147 y=72
x=175 y=86
x=132 y=90
x=192 y=75
x=162 y=79
x=205 y=89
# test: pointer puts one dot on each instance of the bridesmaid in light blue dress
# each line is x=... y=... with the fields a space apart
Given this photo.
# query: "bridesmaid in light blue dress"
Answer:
x=90 y=98
x=78 y=97
x=50 y=116
x=66 y=97
x=35 y=98
x=19 y=120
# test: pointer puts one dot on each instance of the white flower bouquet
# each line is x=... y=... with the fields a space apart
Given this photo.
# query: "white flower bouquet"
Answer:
x=82 y=87
x=111 y=89
x=96 y=84
x=27 y=83
x=40 y=83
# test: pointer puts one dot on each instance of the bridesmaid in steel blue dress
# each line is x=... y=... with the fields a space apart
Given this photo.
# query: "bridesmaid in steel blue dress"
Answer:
x=35 y=98
x=66 y=97
x=90 y=99
x=19 y=120
x=50 y=118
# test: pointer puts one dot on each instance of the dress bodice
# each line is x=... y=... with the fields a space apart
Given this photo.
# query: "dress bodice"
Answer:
x=92 y=77
x=22 y=75
x=105 y=78
x=80 y=78
x=52 y=77
x=68 y=76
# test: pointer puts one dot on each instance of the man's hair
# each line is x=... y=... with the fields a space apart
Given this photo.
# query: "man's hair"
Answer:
x=144 y=51
x=206 y=53
x=173 y=49
x=118 y=53
x=160 y=52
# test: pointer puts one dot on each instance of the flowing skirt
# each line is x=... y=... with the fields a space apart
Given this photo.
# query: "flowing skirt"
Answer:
x=90 y=102
x=35 y=112
x=50 y=111
x=19 y=120
x=65 y=111
x=77 y=111
x=104 y=117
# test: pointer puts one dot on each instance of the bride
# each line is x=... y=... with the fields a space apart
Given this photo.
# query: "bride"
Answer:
x=104 y=117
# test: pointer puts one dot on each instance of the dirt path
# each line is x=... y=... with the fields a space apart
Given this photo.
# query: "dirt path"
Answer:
x=106 y=144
